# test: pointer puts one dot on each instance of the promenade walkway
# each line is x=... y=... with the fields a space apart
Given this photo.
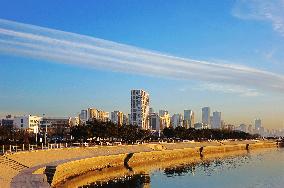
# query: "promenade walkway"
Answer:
x=16 y=169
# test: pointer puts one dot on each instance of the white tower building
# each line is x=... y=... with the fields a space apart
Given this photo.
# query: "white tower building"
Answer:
x=140 y=108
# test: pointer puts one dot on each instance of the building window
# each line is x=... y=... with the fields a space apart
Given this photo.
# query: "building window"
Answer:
x=22 y=120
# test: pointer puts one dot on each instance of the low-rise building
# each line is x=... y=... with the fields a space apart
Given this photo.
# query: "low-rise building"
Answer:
x=199 y=125
x=55 y=122
x=27 y=122
x=7 y=121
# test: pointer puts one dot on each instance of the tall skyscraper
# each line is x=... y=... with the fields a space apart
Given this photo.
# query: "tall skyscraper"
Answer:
x=257 y=124
x=206 y=115
x=188 y=119
x=140 y=108
x=216 y=120
x=177 y=120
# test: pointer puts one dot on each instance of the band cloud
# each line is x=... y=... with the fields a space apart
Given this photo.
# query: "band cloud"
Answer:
x=70 y=48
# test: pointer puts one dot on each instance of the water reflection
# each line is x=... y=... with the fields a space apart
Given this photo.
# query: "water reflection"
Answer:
x=207 y=167
x=136 y=180
x=258 y=169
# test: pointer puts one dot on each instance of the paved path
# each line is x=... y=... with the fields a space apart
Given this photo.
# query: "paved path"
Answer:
x=25 y=178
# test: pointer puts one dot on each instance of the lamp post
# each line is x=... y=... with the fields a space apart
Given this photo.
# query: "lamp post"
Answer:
x=45 y=133
x=36 y=131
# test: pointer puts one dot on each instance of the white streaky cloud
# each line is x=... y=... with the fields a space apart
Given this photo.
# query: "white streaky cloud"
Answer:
x=263 y=10
x=228 y=88
x=70 y=48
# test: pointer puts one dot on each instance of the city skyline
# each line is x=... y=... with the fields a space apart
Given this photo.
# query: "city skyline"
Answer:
x=188 y=66
x=139 y=104
x=142 y=116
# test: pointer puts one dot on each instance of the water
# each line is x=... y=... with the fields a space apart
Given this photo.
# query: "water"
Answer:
x=257 y=169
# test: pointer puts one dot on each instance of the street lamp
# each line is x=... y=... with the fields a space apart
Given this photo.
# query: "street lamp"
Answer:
x=45 y=133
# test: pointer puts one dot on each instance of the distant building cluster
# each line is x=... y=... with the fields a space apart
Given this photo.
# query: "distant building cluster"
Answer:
x=141 y=115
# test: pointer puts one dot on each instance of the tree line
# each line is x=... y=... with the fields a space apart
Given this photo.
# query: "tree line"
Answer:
x=132 y=133
x=205 y=134
x=125 y=133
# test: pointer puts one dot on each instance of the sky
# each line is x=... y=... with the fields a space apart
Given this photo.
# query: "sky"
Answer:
x=58 y=57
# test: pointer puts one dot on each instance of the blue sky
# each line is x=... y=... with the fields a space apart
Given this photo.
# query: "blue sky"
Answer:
x=243 y=34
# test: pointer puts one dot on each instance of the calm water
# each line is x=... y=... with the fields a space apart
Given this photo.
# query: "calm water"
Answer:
x=257 y=169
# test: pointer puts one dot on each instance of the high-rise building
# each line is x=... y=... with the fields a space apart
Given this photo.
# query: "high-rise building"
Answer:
x=206 y=115
x=74 y=121
x=188 y=119
x=100 y=115
x=165 y=120
x=151 y=110
x=140 y=108
x=216 y=120
x=250 y=130
x=154 y=120
x=243 y=127
x=126 y=119
x=177 y=120
x=92 y=113
x=129 y=119
x=257 y=124
x=117 y=117
x=83 y=117
x=103 y=116
x=163 y=112
x=210 y=121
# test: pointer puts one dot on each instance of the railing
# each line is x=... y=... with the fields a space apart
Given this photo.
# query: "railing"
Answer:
x=8 y=149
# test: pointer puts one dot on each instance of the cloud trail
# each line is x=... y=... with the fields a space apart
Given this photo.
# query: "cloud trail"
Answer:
x=70 y=48
x=271 y=11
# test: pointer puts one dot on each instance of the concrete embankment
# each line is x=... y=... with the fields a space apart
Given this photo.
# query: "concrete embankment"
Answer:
x=160 y=155
x=72 y=162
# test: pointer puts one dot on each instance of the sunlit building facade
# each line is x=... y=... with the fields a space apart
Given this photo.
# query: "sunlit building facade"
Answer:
x=140 y=108
x=165 y=119
x=188 y=119
x=117 y=117
x=28 y=122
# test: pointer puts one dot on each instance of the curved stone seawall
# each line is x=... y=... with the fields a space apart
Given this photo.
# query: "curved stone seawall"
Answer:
x=160 y=153
x=26 y=168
